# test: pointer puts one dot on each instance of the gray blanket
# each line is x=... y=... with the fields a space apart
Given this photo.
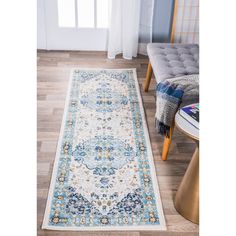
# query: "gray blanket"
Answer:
x=172 y=94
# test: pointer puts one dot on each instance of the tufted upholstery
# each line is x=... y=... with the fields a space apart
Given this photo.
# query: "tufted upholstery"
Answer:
x=173 y=60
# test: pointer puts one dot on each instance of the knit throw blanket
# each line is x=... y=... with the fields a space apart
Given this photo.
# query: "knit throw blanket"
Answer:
x=170 y=95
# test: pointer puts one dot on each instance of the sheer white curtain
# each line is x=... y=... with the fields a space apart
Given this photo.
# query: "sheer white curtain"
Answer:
x=130 y=22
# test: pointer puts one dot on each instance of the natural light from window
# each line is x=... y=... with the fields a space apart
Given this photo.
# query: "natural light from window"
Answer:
x=102 y=13
x=83 y=13
x=66 y=13
x=85 y=9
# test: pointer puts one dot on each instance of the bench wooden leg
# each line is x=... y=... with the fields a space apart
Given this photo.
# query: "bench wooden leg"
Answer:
x=148 y=77
x=166 y=145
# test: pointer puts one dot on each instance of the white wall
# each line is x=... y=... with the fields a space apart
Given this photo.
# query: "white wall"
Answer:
x=41 y=30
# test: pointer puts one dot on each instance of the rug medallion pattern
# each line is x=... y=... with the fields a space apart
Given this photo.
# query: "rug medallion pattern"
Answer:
x=103 y=176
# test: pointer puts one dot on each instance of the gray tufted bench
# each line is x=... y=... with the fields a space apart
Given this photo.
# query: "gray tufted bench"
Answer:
x=173 y=60
x=168 y=61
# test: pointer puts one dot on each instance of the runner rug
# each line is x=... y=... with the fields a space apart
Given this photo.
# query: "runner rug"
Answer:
x=104 y=176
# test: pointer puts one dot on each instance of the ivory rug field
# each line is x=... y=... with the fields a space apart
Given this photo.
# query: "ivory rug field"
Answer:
x=104 y=176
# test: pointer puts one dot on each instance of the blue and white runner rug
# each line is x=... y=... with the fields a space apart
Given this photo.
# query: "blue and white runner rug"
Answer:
x=104 y=176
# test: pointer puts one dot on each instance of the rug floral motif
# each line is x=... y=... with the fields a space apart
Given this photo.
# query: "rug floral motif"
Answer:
x=103 y=176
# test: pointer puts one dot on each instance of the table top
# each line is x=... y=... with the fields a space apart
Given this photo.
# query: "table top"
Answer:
x=184 y=126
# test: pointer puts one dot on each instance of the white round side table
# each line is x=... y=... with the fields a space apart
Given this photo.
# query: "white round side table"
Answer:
x=187 y=197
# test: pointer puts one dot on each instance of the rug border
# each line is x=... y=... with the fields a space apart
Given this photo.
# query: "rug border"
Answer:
x=162 y=226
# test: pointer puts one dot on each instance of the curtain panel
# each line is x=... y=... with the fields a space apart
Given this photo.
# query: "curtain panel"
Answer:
x=130 y=27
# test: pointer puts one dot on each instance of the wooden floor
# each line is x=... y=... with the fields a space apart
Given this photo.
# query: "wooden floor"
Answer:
x=53 y=75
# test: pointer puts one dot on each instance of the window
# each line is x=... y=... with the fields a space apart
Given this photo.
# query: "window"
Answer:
x=83 y=13
x=66 y=16
x=102 y=15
